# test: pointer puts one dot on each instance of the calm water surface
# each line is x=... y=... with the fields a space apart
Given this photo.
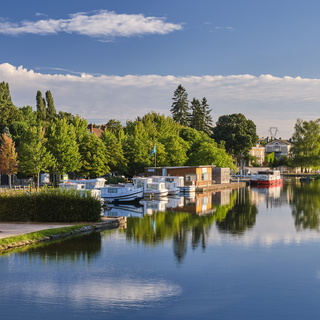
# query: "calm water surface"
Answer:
x=235 y=254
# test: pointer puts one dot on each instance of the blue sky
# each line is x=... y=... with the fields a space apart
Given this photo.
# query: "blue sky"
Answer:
x=120 y=59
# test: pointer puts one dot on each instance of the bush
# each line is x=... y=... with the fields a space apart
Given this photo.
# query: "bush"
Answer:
x=49 y=206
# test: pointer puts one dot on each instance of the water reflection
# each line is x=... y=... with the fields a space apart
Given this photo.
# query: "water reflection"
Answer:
x=200 y=204
x=305 y=205
x=81 y=247
x=241 y=217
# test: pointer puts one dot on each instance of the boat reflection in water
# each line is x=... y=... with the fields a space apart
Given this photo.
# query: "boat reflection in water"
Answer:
x=270 y=195
x=199 y=204
x=124 y=210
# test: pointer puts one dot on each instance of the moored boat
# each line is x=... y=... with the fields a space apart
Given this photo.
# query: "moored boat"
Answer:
x=269 y=177
x=151 y=188
x=81 y=188
x=171 y=183
x=121 y=193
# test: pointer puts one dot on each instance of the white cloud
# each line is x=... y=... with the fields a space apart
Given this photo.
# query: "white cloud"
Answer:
x=98 y=24
x=267 y=100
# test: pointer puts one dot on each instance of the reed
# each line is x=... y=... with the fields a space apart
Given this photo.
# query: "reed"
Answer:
x=49 y=205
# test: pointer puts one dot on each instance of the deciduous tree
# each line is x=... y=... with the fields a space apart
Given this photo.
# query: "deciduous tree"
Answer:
x=62 y=144
x=33 y=154
x=8 y=157
x=41 y=106
x=238 y=132
x=94 y=160
x=306 y=144
x=51 y=110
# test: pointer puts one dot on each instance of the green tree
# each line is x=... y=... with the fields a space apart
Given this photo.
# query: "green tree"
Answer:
x=136 y=148
x=41 y=106
x=176 y=151
x=200 y=118
x=306 y=144
x=180 y=107
x=33 y=154
x=116 y=160
x=116 y=128
x=8 y=157
x=62 y=143
x=239 y=133
x=29 y=116
x=93 y=157
x=8 y=112
x=51 y=110
x=209 y=153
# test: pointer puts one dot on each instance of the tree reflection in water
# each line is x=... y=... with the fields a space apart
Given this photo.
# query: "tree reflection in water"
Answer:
x=235 y=217
x=241 y=217
x=305 y=204
x=80 y=247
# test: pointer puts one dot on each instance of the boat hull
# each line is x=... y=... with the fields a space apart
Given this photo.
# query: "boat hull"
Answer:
x=266 y=182
x=122 y=195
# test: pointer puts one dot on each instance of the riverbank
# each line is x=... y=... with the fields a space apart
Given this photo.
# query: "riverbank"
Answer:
x=15 y=235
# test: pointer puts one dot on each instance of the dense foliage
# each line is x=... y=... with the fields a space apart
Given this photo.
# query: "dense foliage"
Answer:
x=59 y=142
x=49 y=206
x=306 y=144
x=238 y=133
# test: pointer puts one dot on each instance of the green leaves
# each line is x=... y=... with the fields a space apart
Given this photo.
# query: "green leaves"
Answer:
x=306 y=144
x=238 y=133
x=33 y=153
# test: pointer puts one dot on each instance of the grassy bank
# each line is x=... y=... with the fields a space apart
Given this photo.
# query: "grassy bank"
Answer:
x=49 y=205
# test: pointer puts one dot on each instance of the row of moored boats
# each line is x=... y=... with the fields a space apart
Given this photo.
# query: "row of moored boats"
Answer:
x=155 y=186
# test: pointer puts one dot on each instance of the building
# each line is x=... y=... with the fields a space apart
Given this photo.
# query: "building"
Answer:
x=221 y=175
x=279 y=147
x=96 y=130
x=259 y=153
x=199 y=176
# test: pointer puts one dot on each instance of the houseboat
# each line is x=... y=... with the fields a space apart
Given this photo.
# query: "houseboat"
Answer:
x=121 y=193
x=171 y=183
x=81 y=188
x=266 y=178
x=151 y=188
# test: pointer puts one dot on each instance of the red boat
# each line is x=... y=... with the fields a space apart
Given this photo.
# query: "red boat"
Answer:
x=266 y=178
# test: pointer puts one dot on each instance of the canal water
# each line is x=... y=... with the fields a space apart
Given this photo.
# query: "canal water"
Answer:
x=251 y=253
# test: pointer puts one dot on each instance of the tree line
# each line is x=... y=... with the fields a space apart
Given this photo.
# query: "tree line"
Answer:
x=44 y=140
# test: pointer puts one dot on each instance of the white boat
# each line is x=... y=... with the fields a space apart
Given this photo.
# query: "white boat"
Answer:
x=266 y=178
x=81 y=187
x=88 y=183
x=150 y=187
x=121 y=192
x=171 y=183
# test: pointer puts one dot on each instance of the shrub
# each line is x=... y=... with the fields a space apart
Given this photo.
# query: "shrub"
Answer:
x=49 y=206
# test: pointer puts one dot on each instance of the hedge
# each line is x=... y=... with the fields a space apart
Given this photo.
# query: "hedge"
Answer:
x=53 y=205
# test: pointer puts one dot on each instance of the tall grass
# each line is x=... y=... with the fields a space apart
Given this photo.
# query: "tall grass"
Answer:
x=49 y=205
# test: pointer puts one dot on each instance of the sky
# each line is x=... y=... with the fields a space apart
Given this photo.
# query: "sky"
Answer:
x=120 y=59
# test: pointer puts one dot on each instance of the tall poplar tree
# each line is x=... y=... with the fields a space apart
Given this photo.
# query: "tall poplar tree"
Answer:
x=41 y=106
x=8 y=112
x=51 y=110
x=8 y=157
x=180 y=107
